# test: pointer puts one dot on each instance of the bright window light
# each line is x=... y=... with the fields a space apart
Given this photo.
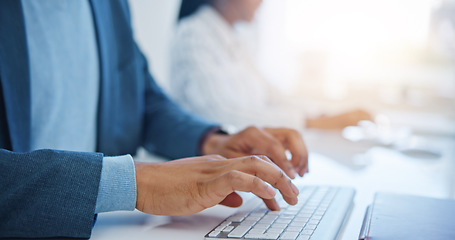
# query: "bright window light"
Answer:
x=358 y=27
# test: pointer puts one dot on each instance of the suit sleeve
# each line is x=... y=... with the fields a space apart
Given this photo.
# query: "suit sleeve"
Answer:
x=169 y=130
x=48 y=193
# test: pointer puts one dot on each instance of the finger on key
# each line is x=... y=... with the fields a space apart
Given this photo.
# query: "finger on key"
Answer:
x=264 y=169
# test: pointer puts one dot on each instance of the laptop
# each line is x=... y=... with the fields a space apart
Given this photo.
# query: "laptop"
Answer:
x=319 y=214
x=402 y=216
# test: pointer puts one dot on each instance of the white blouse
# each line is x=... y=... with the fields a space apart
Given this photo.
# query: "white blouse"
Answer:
x=213 y=75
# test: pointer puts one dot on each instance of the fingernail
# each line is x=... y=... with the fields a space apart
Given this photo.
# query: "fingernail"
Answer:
x=292 y=172
x=270 y=191
x=294 y=188
x=296 y=200
x=276 y=207
x=305 y=170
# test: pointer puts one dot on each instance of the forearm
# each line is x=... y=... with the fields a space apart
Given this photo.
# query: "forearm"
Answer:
x=339 y=121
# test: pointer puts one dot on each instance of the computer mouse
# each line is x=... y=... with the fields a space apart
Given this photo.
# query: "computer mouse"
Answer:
x=421 y=153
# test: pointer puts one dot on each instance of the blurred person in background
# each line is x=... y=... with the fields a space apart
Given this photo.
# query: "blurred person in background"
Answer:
x=214 y=75
x=442 y=29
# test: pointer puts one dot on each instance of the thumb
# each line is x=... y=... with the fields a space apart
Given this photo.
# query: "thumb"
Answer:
x=232 y=200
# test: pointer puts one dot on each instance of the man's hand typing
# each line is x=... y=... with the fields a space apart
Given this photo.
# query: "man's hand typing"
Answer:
x=191 y=185
x=272 y=142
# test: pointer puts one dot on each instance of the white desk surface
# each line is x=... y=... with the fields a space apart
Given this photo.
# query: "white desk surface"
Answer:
x=379 y=169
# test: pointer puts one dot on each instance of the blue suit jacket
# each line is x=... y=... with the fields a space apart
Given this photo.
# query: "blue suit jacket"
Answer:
x=48 y=193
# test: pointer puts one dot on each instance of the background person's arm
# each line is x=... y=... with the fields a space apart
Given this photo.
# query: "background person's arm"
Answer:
x=339 y=121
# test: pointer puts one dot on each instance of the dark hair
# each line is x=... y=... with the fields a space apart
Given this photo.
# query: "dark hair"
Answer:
x=188 y=7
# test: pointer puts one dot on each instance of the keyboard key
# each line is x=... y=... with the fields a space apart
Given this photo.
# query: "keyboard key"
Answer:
x=273 y=213
x=283 y=205
x=261 y=226
x=279 y=225
x=294 y=229
x=256 y=231
x=307 y=232
x=228 y=229
x=214 y=233
x=267 y=221
x=239 y=231
x=287 y=215
x=292 y=212
x=255 y=236
x=304 y=237
x=271 y=235
x=238 y=217
x=252 y=218
x=319 y=212
x=219 y=228
x=283 y=221
x=263 y=236
x=305 y=215
x=310 y=226
x=275 y=230
x=248 y=222
x=301 y=218
x=261 y=210
x=289 y=235
x=297 y=223
x=313 y=221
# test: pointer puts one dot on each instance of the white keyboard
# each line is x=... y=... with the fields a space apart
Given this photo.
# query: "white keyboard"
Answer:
x=319 y=214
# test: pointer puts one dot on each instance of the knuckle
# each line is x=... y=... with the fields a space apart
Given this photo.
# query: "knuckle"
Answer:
x=251 y=160
x=274 y=148
x=268 y=160
x=279 y=178
x=216 y=156
x=256 y=183
x=263 y=157
x=249 y=128
x=295 y=133
x=252 y=129
x=232 y=176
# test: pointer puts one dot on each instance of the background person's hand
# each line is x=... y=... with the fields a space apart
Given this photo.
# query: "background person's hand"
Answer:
x=191 y=185
x=272 y=142
x=339 y=121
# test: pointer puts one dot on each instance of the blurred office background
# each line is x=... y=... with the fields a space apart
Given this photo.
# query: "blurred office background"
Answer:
x=393 y=57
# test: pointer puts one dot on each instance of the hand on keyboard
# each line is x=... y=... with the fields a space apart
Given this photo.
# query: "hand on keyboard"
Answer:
x=191 y=185
x=272 y=142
